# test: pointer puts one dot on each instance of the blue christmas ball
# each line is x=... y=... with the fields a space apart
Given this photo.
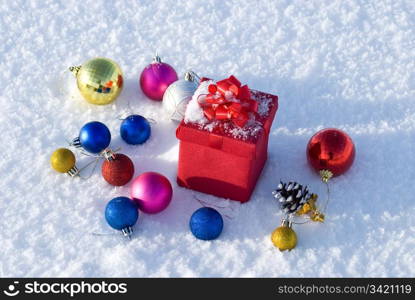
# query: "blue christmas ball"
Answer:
x=206 y=223
x=95 y=137
x=135 y=130
x=121 y=212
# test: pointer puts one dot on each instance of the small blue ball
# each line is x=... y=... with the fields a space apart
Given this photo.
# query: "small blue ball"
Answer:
x=95 y=137
x=206 y=223
x=135 y=130
x=121 y=212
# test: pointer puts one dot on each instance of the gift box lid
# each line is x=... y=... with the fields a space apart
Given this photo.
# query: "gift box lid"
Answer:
x=224 y=135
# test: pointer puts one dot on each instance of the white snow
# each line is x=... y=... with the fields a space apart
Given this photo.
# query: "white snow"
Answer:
x=333 y=63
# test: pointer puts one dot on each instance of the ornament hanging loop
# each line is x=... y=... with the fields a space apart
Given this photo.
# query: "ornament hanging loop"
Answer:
x=74 y=70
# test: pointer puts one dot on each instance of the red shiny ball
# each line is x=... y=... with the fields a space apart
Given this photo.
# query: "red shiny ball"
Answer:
x=119 y=171
x=331 y=149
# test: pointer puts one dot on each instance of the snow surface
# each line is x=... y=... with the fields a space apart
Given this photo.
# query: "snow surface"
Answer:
x=346 y=64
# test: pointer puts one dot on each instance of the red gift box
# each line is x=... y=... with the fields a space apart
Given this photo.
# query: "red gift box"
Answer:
x=218 y=163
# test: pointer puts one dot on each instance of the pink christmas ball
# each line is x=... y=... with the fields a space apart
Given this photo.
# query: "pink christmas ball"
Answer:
x=152 y=192
x=156 y=78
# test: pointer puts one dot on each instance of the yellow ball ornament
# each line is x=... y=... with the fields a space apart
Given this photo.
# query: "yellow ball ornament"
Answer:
x=284 y=237
x=99 y=80
x=63 y=161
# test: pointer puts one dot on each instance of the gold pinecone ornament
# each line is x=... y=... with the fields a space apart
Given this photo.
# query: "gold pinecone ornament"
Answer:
x=284 y=237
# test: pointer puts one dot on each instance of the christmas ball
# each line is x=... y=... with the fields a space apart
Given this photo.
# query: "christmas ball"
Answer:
x=99 y=80
x=118 y=171
x=206 y=223
x=62 y=160
x=177 y=96
x=284 y=238
x=331 y=149
x=152 y=192
x=156 y=78
x=121 y=213
x=135 y=130
x=94 y=137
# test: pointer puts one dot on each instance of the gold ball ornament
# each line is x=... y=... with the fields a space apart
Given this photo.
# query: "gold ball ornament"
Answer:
x=63 y=161
x=284 y=237
x=99 y=80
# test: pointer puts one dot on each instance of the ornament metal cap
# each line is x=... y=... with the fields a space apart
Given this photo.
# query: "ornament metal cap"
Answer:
x=75 y=69
x=76 y=142
x=127 y=232
x=108 y=154
x=286 y=223
x=191 y=76
x=156 y=59
x=326 y=175
x=74 y=171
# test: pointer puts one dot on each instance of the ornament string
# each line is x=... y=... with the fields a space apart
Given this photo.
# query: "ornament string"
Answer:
x=95 y=162
x=301 y=223
x=328 y=197
x=151 y=120
x=130 y=111
x=290 y=218
x=111 y=235
x=104 y=234
x=97 y=156
x=206 y=204
x=326 y=175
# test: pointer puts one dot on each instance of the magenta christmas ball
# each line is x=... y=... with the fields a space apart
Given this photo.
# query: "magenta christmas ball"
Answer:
x=156 y=78
x=152 y=192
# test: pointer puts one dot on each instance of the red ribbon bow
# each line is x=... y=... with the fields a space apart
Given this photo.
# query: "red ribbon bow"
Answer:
x=228 y=100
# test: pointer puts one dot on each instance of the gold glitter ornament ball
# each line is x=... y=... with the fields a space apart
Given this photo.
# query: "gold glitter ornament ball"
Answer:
x=284 y=238
x=99 y=80
x=62 y=160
